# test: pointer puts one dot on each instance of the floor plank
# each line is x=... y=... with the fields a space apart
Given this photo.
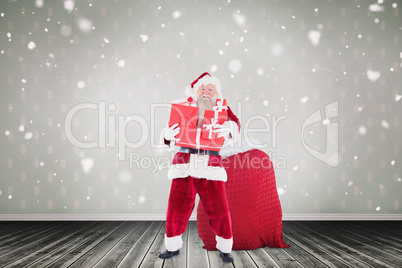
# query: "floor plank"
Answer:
x=216 y=261
x=97 y=252
x=81 y=237
x=10 y=229
x=390 y=229
x=20 y=233
x=336 y=256
x=282 y=258
x=374 y=234
x=388 y=251
x=48 y=249
x=34 y=243
x=138 y=244
x=81 y=249
x=242 y=259
x=197 y=256
x=262 y=259
x=359 y=250
x=142 y=245
x=151 y=260
x=305 y=254
x=116 y=254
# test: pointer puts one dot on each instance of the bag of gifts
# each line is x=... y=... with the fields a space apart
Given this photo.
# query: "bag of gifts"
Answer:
x=185 y=114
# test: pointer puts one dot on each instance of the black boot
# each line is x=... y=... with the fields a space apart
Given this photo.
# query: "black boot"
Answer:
x=226 y=257
x=168 y=254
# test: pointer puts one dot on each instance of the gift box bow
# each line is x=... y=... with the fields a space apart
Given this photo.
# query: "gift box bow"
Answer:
x=211 y=127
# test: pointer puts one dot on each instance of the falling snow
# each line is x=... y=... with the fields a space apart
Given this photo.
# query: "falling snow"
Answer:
x=281 y=191
x=87 y=164
x=125 y=177
x=213 y=68
x=176 y=14
x=239 y=18
x=121 y=63
x=235 y=65
x=28 y=135
x=326 y=121
x=277 y=49
x=362 y=130
x=81 y=84
x=385 y=124
x=39 y=3
x=65 y=30
x=314 y=37
x=69 y=5
x=304 y=99
x=31 y=45
x=373 y=75
x=376 y=8
x=260 y=71
x=143 y=37
x=85 y=25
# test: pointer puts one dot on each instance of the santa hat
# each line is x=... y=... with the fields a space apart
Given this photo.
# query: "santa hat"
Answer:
x=204 y=79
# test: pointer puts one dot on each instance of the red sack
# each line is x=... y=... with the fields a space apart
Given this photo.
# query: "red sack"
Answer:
x=253 y=203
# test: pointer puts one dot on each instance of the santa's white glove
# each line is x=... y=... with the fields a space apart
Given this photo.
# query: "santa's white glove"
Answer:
x=228 y=130
x=171 y=132
x=223 y=130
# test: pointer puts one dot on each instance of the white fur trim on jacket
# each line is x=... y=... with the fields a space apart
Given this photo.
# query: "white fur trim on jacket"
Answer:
x=224 y=245
x=173 y=243
x=197 y=168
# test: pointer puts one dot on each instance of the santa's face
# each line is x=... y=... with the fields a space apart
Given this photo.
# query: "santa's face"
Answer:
x=206 y=94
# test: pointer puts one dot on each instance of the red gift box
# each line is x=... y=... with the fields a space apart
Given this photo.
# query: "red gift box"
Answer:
x=185 y=114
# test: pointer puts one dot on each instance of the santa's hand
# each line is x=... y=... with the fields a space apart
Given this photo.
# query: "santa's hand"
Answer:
x=228 y=130
x=171 y=132
x=223 y=130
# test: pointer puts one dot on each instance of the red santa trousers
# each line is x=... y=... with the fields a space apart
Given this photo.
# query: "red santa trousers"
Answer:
x=181 y=204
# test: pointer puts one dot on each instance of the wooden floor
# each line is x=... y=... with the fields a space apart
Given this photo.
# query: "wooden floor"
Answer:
x=137 y=244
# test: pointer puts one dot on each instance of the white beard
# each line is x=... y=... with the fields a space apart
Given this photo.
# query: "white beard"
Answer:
x=202 y=106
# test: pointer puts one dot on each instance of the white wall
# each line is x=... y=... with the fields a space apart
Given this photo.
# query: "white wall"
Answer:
x=280 y=60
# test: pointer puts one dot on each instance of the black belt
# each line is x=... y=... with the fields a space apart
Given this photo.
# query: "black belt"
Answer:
x=198 y=151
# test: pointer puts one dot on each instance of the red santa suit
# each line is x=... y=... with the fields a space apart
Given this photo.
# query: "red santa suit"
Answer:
x=199 y=172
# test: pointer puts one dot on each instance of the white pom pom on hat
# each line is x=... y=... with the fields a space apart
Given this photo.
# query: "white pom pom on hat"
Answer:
x=204 y=79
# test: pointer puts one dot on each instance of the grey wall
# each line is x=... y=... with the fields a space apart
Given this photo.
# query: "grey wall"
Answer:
x=281 y=63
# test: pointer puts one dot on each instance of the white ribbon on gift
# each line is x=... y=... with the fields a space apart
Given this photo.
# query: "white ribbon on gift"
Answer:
x=211 y=127
x=218 y=108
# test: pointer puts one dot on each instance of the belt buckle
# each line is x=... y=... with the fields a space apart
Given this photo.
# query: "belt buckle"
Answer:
x=201 y=152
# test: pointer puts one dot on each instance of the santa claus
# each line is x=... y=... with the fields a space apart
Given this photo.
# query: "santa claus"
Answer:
x=197 y=171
